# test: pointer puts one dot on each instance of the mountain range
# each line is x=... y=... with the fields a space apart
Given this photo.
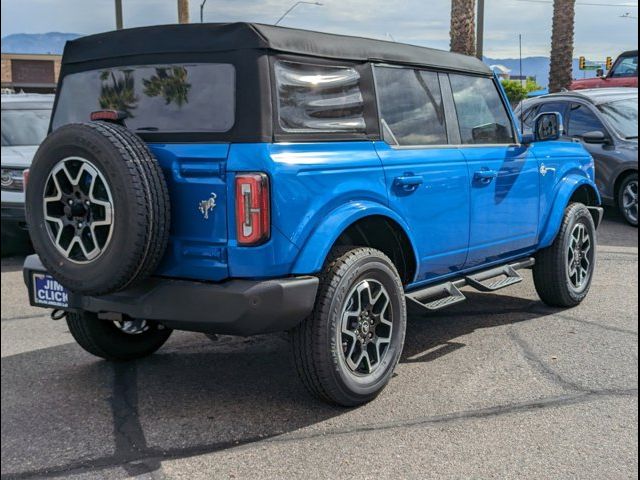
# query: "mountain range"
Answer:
x=53 y=42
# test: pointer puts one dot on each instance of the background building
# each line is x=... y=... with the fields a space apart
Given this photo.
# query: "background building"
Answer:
x=36 y=73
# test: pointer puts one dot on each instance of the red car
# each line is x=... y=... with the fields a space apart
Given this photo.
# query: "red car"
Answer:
x=624 y=73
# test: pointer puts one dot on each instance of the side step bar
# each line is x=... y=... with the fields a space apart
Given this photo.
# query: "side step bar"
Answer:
x=437 y=297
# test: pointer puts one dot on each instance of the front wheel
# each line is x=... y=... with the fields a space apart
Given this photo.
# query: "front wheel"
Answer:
x=628 y=199
x=347 y=349
x=128 y=339
x=564 y=271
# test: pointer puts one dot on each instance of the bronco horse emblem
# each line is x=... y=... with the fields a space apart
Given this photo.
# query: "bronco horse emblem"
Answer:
x=206 y=205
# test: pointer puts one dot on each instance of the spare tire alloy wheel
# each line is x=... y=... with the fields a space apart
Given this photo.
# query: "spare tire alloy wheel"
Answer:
x=98 y=207
x=78 y=209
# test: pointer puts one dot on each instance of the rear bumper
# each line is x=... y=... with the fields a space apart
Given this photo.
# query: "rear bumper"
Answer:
x=234 y=307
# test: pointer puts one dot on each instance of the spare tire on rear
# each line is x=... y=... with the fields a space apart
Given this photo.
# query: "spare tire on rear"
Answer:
x=97 y=207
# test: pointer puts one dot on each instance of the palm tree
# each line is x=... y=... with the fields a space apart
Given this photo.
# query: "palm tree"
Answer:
x=117 y=91
x=170 y=83
x=561 y=71
x=463 y=22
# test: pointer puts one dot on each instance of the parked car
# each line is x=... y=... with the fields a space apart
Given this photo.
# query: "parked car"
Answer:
x=623 y=73
x=25 y=120
x=245 y=179
x=606 y=122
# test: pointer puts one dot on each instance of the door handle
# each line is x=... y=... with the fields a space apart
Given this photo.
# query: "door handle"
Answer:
x=485 y=176
x=408 y=183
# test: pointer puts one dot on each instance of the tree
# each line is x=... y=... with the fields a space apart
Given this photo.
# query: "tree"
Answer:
x=516 y=92
x=561 y=71
x=170 y=83
x=462 y=30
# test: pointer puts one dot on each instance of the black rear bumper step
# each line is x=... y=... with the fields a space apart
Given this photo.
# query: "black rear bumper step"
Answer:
x=443 y=295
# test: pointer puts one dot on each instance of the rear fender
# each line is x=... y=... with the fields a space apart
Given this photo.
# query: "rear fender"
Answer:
x=319 y=243
x=567 y=187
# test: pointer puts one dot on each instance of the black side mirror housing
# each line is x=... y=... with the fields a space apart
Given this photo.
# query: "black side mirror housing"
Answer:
x=548 y=126
x=596 y=136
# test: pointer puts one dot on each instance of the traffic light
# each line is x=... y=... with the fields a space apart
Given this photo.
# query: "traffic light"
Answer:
x=582 y=63
x=609 y=63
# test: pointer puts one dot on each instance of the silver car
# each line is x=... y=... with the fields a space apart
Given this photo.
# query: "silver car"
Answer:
x=25 y=120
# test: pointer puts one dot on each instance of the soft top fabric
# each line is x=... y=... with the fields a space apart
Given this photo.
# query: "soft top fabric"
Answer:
x=225 y=37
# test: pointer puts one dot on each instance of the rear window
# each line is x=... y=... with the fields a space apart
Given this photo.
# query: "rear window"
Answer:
x=156 y=98
x=319 y=98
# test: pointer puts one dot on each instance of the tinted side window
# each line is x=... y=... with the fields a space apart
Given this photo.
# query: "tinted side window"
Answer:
x=319 y=98
x=482 y=116
x=582 y=120
x=411 y=109
x=528 y=117
x=626 y=67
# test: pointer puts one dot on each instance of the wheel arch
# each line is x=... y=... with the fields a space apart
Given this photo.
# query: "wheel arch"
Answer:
x=573 y=188
x=365 y=224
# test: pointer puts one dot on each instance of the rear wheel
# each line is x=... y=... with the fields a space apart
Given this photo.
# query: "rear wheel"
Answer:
x=628 y=199
x=564 y=271
x=346 y=351
x=128 y=339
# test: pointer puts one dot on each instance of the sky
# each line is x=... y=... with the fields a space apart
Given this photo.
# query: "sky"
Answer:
x=600 y=30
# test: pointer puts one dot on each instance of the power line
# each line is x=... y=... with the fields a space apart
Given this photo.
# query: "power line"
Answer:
x=585 y=4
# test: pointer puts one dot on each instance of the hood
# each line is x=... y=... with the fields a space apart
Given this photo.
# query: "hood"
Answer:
x=18 y=156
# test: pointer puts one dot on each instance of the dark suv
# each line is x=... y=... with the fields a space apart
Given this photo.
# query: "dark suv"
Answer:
x=605 y=121
x=244 y=179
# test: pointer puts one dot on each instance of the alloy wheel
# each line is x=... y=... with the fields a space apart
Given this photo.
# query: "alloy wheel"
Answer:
x=78 y=210
x=366 y=327
x=630 y=201
x=579 y=257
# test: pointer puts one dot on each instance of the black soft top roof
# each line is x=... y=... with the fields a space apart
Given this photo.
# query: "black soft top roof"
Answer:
x=225 y=37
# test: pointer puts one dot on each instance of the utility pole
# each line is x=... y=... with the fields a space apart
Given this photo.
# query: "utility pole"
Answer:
x=480 y=27
x=183 y=11
x=119 y=24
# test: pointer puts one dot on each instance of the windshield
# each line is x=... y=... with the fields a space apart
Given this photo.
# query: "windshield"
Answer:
x=622 y=116
x=24 y=127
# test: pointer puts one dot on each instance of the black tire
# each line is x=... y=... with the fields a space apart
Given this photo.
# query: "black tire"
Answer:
x=104 y=339
x=319 y=355
x=630 y=181
x=552 y=272
x=140 y=203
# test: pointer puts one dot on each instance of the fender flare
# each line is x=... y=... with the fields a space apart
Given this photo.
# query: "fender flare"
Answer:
x=567 y=187
x=319 y=243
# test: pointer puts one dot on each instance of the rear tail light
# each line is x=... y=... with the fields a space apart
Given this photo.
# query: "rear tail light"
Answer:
x=253 y=207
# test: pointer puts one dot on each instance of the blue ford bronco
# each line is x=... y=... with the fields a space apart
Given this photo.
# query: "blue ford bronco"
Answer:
x=244 y=179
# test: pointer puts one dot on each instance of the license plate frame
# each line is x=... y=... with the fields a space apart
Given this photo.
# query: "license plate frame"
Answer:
x=47 y=292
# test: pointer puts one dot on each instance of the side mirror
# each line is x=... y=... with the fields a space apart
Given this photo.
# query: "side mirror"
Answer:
x=548 y=126
x=596 y=136
x=600 y=73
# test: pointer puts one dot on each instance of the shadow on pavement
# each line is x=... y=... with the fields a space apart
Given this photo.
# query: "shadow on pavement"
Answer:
x=64 y=411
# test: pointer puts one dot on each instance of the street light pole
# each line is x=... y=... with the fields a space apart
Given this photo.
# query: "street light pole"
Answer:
x=202 y=11
x=294 y=6
x=119 y=24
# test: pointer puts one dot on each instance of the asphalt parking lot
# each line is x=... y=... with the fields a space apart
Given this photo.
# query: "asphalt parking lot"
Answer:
x=498 y=387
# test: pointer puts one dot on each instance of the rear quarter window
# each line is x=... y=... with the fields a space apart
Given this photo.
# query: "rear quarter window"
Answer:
x=156 y=98
x=318 y=98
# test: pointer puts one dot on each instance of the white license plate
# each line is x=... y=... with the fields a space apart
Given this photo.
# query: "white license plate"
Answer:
x=48 y=292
